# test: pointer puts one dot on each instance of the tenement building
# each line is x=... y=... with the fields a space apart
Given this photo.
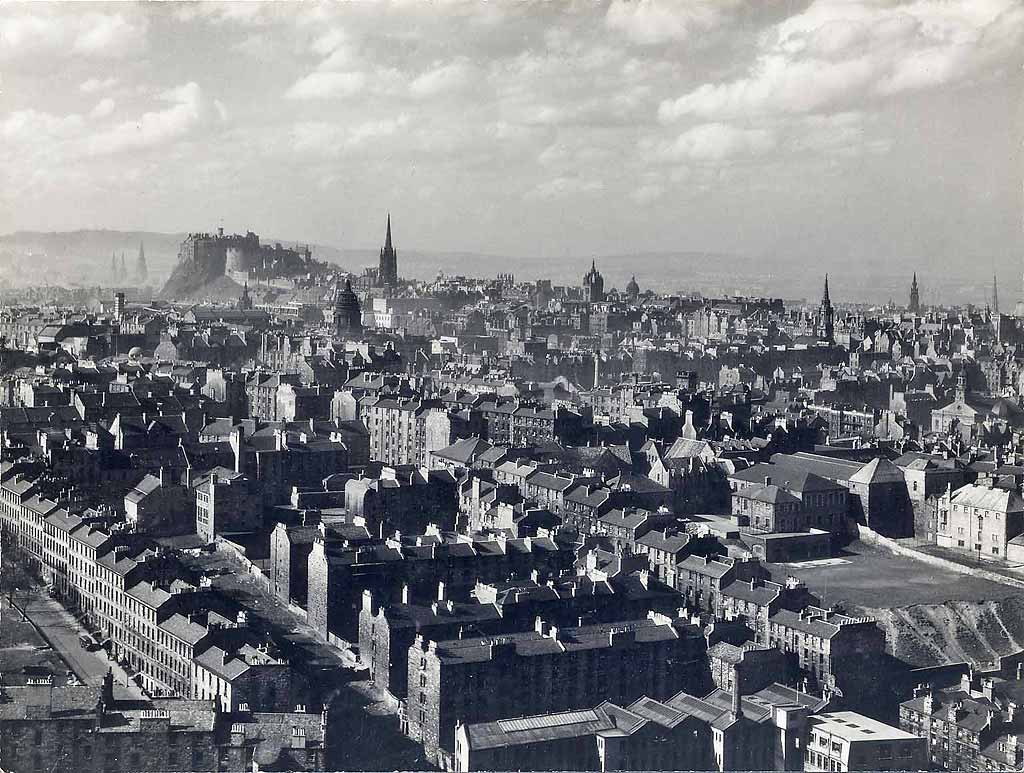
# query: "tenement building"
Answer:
x=551 y=669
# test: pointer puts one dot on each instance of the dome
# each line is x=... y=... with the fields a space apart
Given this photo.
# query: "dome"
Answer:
x=633 y=289
x=347 y=311
x=135 y=352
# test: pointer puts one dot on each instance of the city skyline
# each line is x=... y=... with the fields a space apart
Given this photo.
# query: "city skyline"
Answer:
x=860 y=131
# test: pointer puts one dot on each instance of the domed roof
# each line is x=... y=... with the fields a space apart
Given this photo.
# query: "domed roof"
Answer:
x=633 y=288
x=347 y=311
x=1005 y=409
x=346 y=299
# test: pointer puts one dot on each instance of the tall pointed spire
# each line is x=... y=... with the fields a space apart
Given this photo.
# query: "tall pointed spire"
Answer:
x=387 y=273
x=141 y=269
x=995 y=296
x=915 y=296
x=826 y=317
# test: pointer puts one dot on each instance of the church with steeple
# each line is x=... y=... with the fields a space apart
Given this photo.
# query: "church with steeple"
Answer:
x=826 y=317
x=387 y=273
x=915 y=297
x=141 y=269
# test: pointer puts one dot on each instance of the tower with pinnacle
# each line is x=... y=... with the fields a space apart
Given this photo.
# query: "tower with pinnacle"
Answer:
x=915 y=297
x=593 y=284
x=387 y=273
x=995 y=297
x=826 y=317
x=141 y=270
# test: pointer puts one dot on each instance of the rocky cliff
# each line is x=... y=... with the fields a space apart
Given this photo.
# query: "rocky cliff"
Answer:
x=191 y=276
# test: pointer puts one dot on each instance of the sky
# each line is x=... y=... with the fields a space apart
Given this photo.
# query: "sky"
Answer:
x=809 y=135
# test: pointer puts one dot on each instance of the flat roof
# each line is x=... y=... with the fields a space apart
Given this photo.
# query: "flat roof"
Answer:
x=856 y=727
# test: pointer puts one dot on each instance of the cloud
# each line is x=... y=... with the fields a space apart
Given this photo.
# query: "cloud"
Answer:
x=647 y=194
x=719 y=142
x=565 y=187
x=187 y=110
x=103 y=108
x=44 y=35
x=330 y=139
x=25 y=127
x=256 y=44
x=329 y=42
x=835 y=55
x=235 y=12
x=443 y=79
x=94 y=85
x=652 y=22
x=327 y=85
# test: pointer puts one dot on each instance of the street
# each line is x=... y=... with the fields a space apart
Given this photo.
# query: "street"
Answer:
x=61 y=630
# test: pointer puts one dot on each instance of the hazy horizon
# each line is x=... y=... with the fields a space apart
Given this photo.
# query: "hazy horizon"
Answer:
x=834 y=134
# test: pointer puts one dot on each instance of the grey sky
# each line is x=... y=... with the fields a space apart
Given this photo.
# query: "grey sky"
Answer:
x=832 y=131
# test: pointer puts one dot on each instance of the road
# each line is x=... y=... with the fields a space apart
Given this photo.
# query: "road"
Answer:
x=61 y=630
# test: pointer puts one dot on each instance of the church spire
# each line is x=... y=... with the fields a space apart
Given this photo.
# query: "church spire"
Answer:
x=387 y=273
x=141 y=270
x=995 y=296
x=915 y=296
x=826 y=317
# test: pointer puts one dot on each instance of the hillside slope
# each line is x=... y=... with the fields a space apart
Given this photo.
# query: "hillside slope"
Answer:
x=974 y=631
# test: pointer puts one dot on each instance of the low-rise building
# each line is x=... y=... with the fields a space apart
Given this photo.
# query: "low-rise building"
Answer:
x=846 y=740
x=980 y=520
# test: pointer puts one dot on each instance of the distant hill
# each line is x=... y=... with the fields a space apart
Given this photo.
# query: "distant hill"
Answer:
x=82 y=259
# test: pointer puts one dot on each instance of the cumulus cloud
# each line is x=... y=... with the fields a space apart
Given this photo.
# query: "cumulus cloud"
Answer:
x=187 y=109
x=719 y=142
x=95 y=85
x=327 y=85
x=35 y=127
x=651 y=22
x=331 y=139
x=103 y=108
x=242 y=13
x=442 y=79
x=837 y=54
x=37 y=36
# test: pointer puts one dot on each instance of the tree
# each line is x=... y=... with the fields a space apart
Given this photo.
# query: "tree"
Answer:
x=14 y=575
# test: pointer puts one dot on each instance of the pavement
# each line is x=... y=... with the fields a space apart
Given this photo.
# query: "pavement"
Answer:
x=61 y=631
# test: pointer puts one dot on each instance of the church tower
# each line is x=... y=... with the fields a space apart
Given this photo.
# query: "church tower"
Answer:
x=387 y=274
x=995 y=297
x=141 y=270
x=915 y=297
x=593 y=284
x=245 y=300
x=826 y=317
